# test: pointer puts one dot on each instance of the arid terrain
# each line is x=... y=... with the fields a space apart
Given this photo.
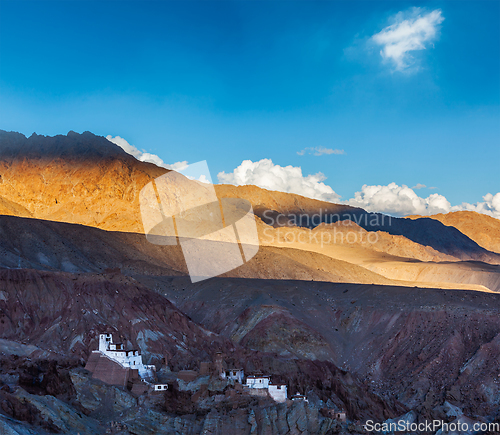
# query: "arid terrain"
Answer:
x=483 y=229
x=379 y=316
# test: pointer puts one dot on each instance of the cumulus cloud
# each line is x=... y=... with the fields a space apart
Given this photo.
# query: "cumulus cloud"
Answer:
x=490 y=205
x=391 y=199
x=319 y=151
x=267 y=175
x=398 y=201
x=143 y=156
x=177 y=166
x=403 y=201
x=123 y=144
x=410 y=31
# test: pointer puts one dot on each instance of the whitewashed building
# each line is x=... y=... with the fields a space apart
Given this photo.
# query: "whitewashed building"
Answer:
x=258 y=381
x=128 y=359
x=299 y=397
x=236 y=375
x=278 y=392
x=160 y=387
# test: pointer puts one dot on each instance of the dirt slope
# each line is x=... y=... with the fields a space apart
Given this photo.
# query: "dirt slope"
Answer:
x=283 y=210
x=393 y=257
x=57 y=246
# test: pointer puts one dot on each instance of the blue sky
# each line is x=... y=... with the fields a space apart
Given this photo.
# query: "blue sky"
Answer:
x=229 y=81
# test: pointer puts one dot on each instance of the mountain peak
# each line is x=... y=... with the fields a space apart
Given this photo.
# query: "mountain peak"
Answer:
x=78 y=177
x=77 y=145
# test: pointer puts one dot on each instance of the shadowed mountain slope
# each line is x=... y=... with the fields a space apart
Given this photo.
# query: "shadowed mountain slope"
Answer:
x=483 y=229
x=86 y=179
x=57 y=246
x=305 y=212
x=64 y=313
x=46 y=245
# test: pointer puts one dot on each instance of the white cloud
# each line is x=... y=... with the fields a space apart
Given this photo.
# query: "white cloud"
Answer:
x=490 y=205
x=177 y=166
x=403 y=201
x=319 y=151
x=409 y=32
x=392 y=199
x=122 y=143
x=267 y=175
x=143 y=156
x=398 y=200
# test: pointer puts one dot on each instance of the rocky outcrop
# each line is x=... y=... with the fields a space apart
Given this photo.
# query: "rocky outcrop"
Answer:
x=92 y=407
x=107 y=370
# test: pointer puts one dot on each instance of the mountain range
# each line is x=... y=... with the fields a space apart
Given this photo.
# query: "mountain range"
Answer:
x=382 y=316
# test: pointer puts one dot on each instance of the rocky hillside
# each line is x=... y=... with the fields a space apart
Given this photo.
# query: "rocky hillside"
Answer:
x=424 y=346
x=310 y=213
x=63 y=313
x=416 y=352
x=353 y=324
x=49 y=322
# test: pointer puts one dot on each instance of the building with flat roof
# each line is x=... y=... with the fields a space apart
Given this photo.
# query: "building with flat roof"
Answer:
x=115 y=365
x=278 y=392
